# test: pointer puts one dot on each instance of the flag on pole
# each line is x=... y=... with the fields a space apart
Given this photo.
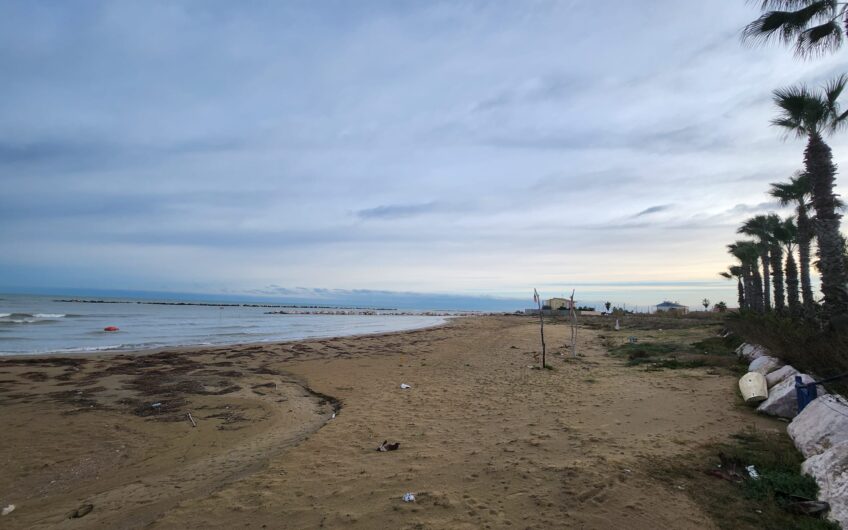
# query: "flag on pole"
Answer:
x=535 y=296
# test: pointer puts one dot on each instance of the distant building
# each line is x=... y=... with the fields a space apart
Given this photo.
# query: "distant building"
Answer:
x=555 y=304
x=672 y=306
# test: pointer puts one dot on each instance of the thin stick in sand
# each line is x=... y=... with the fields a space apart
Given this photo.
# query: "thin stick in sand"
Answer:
x=541 y=324
x=193 y=423
x=573 y=327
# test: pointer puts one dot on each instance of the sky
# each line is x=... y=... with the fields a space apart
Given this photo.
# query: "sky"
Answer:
x=473 y=149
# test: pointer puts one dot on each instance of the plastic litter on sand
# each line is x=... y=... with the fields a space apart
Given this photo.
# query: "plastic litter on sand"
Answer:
x=405 y=386
x=11 y=508
x=752 y=472
x=408 y=497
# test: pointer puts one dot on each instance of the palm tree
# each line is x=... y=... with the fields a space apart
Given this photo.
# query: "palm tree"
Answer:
x=775 y=241
x=706 y=303
x=747 y=252
x=813 y=25
x=735 y=271
x=797 y=191
x=760 y=227
x=812 y=114
x=787 y=235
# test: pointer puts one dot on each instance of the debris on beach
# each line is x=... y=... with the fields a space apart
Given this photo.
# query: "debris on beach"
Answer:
x=82 y=511
x=386 y=446
x=752 y=472
x=808 y=507
x=408 y=497
x=8 y=509
x=405 y=386
x=729 y=469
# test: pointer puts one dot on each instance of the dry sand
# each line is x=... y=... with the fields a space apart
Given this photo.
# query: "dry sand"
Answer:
x=486 y=441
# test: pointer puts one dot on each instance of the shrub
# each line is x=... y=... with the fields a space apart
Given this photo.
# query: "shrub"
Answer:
x=823 y=354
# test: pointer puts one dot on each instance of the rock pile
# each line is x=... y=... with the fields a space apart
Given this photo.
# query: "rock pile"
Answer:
x=820 y=431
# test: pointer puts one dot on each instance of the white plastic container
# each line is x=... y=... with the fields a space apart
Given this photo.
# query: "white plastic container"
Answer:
x=753 y=387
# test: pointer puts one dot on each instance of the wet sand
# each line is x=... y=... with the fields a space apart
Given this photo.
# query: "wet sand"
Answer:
x=486 y=441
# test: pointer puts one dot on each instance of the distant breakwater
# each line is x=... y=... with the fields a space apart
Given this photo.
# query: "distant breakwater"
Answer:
x=377 y=312
x=209 y=304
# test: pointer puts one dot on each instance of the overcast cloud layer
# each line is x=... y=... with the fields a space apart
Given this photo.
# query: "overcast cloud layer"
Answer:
x=463 y=147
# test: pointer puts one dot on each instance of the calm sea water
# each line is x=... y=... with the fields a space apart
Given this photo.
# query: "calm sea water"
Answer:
x=42 y=324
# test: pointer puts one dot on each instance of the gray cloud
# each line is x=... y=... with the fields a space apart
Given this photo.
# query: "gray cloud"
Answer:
x=654 y=209
x=762 y=207
x=396 y=211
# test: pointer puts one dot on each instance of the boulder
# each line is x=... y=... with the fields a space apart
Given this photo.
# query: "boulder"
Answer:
x=830 y=469
x=765 y=364
x=782 y=400
x=780 y=374
x=821 y=425
x=749 y=352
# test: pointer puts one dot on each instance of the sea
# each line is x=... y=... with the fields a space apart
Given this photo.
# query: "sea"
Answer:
x=56 y=324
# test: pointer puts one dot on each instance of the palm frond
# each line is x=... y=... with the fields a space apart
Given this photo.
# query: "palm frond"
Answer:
x=833 y=89
x=797 y=190
x=790 y=126
x=758 y=226
x=793 y=99
x=788 y=26
x=745 y=251
x=783 y=192
x=804 y=111
x=819 y=39
x=767 y=5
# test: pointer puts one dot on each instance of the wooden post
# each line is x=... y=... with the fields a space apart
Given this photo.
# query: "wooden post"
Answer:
x=573 y=327
x=541 y=324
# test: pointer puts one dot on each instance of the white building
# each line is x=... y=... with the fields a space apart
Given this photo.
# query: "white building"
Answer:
x=672 y=306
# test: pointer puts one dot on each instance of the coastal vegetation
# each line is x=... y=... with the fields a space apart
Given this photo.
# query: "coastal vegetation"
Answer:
x=777 y=305
x=738 y=502
x=674 y=343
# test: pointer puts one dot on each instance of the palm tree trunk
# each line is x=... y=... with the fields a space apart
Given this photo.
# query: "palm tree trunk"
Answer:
x=792 y=285
x=805 y=236
x=765 y=288
x=757 y=284
x=819 y=164
x=748 y=278
x=740 y=291
x=776 y=256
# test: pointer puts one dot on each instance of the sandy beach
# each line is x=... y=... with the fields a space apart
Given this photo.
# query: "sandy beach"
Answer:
x=486 y=441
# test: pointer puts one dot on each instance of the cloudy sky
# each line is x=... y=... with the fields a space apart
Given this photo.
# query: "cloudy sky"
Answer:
x=474 y=148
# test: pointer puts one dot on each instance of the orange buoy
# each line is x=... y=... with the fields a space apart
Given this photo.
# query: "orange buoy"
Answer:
x=110 y=328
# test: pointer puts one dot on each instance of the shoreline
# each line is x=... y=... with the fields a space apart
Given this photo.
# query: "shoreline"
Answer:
x=195 y=346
